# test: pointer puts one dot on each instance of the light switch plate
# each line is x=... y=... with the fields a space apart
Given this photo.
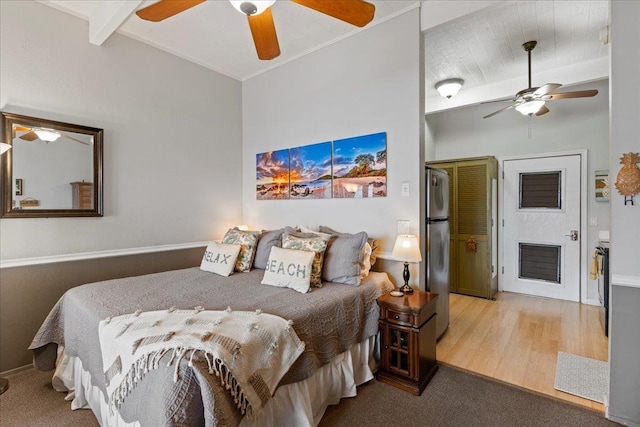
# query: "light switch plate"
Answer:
x=405 y=189
x=403 y=227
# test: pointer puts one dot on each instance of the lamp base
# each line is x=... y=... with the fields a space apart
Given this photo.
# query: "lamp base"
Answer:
x=406 y=289
x=4 y=385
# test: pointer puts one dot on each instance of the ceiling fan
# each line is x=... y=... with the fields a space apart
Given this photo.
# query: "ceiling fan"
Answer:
x=45 y=134
x=531 y=101
x=263 y=31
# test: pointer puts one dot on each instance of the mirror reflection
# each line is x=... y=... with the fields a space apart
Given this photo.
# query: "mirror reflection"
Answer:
x=53 y=168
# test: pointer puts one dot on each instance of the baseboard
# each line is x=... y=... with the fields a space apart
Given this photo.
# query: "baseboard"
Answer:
x=16 y=370
x=623 y=421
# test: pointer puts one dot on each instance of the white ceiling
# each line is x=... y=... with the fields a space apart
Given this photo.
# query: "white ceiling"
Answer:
x=478 y=41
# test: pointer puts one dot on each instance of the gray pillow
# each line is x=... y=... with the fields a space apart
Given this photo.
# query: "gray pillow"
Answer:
x=372 y=242
x=342 y=258
x=266 y=240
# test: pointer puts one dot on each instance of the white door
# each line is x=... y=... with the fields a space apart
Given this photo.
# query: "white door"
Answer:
x=541 y=232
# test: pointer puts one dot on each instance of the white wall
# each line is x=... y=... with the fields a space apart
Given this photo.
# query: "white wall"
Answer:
x=172 y=141
x=572 y=124
x=364 y=84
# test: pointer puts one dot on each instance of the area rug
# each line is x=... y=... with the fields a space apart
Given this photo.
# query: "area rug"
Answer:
x=582 y=376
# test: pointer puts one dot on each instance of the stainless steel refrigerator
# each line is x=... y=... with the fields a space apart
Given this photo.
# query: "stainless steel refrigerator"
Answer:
x=437 y=244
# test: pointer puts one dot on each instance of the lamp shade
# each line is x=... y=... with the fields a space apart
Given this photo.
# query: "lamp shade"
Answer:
x=449 y=87
x=530 y=107
x=4 y=147
x=406 y=248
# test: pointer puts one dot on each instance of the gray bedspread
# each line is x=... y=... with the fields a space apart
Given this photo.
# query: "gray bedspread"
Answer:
x=329 y=320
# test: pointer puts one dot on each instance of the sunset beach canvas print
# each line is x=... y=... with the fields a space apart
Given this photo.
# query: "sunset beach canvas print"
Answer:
x=272 y=175
x=310 y=171
x=360 y=166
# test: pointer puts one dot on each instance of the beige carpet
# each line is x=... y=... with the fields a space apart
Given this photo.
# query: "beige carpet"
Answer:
x=452 y=398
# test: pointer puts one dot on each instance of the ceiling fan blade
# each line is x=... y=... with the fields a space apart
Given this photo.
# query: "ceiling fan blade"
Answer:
x=29 y=136
x=499 y=111
x=549 y=87
x=66 y=135
x=542 y=110
x=498 y=100
x=354 y=12
x=166 y=9
x=264 y=35
x=576 y=94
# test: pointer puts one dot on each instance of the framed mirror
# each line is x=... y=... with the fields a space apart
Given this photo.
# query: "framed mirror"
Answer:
x=53 y=169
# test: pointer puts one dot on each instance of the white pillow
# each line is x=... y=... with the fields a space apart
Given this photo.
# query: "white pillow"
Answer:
x=289 y=268
x=220 y=258
x=324 y=236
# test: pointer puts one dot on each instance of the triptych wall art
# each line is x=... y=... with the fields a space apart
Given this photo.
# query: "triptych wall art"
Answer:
x=346 y=168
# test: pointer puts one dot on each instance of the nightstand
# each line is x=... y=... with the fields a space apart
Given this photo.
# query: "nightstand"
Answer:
x=408 y=340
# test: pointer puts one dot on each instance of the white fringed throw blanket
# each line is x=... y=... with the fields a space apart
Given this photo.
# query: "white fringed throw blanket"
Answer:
x=249 y=351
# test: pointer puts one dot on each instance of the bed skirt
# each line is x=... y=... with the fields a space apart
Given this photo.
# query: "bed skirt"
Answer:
x=299 y=404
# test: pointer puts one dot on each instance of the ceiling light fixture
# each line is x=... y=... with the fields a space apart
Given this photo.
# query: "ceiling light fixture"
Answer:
x=47 y=135
x=449 y=87
x=530 y=107
x=250 y=8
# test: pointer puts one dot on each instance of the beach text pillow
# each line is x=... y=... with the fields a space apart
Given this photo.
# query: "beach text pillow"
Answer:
x=315 y=245
x=289 y=268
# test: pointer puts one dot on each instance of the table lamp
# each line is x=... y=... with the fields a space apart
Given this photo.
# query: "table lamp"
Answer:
x=407 y=250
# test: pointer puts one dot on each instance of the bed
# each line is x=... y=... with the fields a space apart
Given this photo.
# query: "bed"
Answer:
x=338 y=324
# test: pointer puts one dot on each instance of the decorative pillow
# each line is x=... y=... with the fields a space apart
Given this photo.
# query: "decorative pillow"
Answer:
x=266 y=240
x=297 y=233
x=372 y=242
x=248 y=241
x=289 y=268
x=343 y=261
x=220 y=258
x=365 y=262
x=315 y=244
x=325 y=236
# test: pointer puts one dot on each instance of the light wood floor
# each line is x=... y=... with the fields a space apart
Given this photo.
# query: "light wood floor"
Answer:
x=516 y=339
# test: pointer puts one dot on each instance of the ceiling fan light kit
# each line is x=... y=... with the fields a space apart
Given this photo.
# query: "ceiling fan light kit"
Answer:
x=531 y=101
x=47 y=135
x=249 y=8
x=258 y=12
x=529 y=108
x=449 y=87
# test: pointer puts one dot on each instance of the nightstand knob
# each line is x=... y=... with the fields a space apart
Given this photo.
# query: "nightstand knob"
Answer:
x=386 y=347
x=397 y=317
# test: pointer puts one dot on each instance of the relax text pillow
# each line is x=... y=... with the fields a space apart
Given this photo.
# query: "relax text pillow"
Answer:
x=220 y=258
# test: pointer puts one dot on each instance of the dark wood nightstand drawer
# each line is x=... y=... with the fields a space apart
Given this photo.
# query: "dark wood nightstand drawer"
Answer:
x=398 y=317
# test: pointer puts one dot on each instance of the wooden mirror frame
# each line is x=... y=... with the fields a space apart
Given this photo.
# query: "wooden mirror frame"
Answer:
x=7 y=209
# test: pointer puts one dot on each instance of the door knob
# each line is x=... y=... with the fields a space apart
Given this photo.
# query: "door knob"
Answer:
x=573 y=234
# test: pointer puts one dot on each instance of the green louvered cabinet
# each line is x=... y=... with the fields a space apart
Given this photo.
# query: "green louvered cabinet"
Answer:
x=473 y=223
